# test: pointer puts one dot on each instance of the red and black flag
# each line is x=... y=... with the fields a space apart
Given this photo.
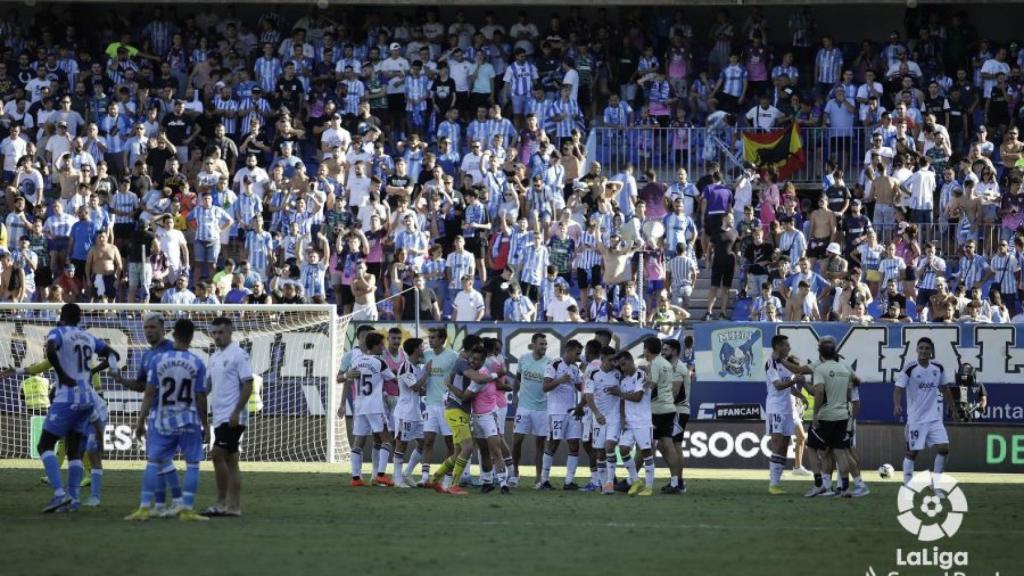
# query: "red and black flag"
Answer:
x=782 y=149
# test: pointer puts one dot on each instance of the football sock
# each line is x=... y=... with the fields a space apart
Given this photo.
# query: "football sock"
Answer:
x=858 y=481
x=149 y=484
x=630 y=465
x=425 y=472
x=161 y=489
x=908 y=470
x=96 y=487
x=460 y=467
x=509 y=468
x=596 y=473
x=191 y=485
x=357 y=463
x=383 y=457
x=609 y=463
x=827 y=482
x=817 y=481
x=776 y=464
x=52 y=468
x=503 y=477
x=571 y=462
x=414 y=459
x=845 y=483
x=937 y=469
x=75 y=474
x=445 y=468
x=673 y=481
x=545 y=471
x=373 y=455
x=487 y=477
x=399 y=458
x=170 y=476
x=87 y=464
x=649 y=471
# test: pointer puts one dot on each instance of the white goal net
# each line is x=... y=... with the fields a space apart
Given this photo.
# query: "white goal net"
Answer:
x=295 y=352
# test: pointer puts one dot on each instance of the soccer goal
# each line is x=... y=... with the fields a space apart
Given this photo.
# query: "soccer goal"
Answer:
x=295 y=352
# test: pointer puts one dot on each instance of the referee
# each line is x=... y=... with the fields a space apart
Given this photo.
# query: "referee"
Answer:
x=832 y=380
x=229 y=381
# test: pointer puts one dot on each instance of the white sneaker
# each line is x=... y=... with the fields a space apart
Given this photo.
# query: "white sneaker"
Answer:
x=403 y=484
x=513 y=481
x=940 y=493
x=859 y=491
x=815 y=491
x=171 y=510
x=801 y=471
x=91 y=502
x=828 y=493
x=409 y=482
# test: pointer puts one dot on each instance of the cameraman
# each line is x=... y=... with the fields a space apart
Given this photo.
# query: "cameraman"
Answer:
x=969 y=394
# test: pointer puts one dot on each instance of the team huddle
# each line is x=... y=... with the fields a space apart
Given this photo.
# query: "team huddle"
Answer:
x=832 y=437
x=592 y=397
x=179 y=396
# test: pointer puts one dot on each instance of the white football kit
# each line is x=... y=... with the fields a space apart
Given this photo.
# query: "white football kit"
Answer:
x=368 y=406
x=637 y=426
x=778 y=406
x=609 y=406
x=562 y=425
x=925 y=405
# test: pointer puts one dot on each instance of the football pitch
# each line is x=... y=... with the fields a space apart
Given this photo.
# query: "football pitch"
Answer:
x=305 y=519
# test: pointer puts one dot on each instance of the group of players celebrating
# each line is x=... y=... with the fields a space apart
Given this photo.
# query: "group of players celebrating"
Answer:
x=592 y=397
x=179 y=397
x=406 y=395
x=608 y=403
x=832 y=436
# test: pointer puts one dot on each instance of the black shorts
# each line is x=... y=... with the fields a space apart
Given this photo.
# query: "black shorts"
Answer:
x=663 y=425
x=396 y=103
x=681 y=420
x=123 y=232
x=829 y=434
x=713 y=224
x=227 y=438
x=722 y=273
x=473 y=246
x=588 y=278
x=817 y=248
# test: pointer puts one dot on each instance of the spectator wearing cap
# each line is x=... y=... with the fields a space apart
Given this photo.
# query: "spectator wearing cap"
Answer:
x=468 y=305
x=69 y=284
x=855 y=226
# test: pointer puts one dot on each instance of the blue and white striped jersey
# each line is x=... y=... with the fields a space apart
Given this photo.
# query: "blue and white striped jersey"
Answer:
x=178 y=377
x=75 y=348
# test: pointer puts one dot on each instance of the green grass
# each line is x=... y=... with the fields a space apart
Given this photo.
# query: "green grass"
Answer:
x=303 y=520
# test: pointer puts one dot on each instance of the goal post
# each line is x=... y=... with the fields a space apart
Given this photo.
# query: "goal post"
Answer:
x=295 y=352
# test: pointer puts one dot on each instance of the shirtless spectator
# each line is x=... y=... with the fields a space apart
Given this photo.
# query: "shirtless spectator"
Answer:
x=103 y=267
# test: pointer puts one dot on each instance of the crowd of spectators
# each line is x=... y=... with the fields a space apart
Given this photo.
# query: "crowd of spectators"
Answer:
x=214 y=158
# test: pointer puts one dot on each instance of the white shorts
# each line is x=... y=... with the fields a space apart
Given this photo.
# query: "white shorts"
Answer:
x=601 y=435
x=564 y=427
x=409 y=429
x=639 y=435
x=500 y=416
x=484 y=425
x=925 y=435
x=587 y=427
x=434 y=422
x=779 y=423
x=531 y=422
x=366 y=424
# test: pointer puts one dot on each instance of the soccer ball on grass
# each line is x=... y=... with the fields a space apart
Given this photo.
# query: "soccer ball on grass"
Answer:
x=886 y=470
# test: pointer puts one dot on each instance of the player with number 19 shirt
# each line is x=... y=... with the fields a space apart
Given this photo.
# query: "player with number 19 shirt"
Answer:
x=929 y=398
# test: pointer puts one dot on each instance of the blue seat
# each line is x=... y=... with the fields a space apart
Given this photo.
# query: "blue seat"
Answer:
x=874 y=309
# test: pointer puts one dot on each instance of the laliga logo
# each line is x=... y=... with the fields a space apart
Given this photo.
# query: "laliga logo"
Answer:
x=922 y=514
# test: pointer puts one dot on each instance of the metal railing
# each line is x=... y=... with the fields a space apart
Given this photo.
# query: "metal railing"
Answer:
x=948 y=243
x=666 y=149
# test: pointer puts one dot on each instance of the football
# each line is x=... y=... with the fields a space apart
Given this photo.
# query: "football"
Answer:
x=885 y=470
